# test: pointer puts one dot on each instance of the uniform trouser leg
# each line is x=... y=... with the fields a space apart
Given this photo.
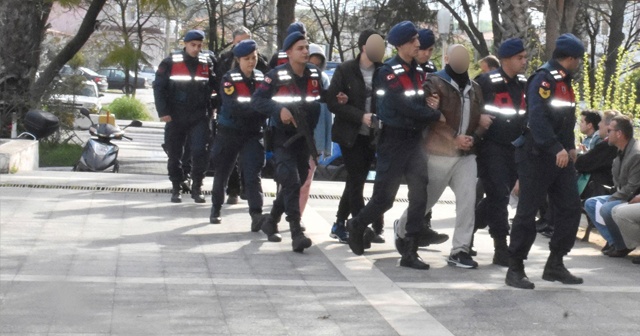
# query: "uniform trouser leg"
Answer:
x=398 y=158
x=463 y=183
x=566 y=210
x=357 y=161
x=439 y=170
x=252 y=157
x=199 y=134
x=224 y=155
x=497 y=171
x=292 y=167
x=538 y=176
x=175 y=138
x=233 y=187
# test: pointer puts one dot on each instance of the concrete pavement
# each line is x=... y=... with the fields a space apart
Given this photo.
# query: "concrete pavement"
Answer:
x=107 y=254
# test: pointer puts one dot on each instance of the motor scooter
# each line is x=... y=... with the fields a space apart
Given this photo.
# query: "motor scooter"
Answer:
x=99 y=153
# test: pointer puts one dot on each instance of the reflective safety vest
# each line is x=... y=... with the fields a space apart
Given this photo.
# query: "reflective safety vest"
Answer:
x=282 y=58
x=410 y=90
x=502 y=104
x=563 y=96
x=180 y=72
x=241 y=87
x=288 y=92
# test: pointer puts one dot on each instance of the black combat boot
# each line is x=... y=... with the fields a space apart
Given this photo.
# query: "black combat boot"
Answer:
x=428 y=236
x=356 y=236
x=501 y=252
x=214 y=217
x=554 y=270
x=255 y=221
x=410 y=258
x=196 y=192
x=270 y=228
x=516 y=277
x=176 y=191
x=299 y=241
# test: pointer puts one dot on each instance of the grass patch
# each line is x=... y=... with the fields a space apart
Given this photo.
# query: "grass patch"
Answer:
x=59 y=155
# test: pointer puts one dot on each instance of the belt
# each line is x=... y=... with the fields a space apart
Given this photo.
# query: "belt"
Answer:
x=398 y=132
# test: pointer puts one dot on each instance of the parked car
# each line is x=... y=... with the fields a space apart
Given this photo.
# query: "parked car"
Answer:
x=149 y=73
x=84 y=96
x=100 y=80
x=116 y=77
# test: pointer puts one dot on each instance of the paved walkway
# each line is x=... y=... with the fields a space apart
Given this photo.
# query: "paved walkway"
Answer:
x=107 y=254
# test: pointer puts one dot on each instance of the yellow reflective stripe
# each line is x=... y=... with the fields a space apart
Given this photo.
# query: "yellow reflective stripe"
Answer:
x=311 y=99
x=412 y=93
x=380 y=92
x=503 y=110
x=244 y=99
x=290 y=99
x=180 y=78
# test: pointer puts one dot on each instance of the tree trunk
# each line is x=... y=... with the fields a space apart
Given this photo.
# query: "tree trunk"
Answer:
x=615 y=38
x=286 y=16
x=21 y=34
x=559 y=19
x=87 y=28
x=495 y=23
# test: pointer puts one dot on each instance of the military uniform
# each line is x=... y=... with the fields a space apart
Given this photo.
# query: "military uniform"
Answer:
x=429 y=67
x=283 y=89
x=400 y=105
x=505 y=100
x=239 y=135
x=182 y=90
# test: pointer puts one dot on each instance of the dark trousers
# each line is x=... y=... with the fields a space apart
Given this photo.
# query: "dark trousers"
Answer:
x=235 y=181
x=292 y=168
x=498 y=174
x=357 y=162
x=176 y=136
x=540 y=176
x=230 y=145
x=399 y=156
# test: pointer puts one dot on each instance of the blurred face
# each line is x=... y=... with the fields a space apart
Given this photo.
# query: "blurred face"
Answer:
x=193 y=48
x=248 y=63
x=299 y=53
x=374 y=49
x=516 y=64
x=410 y=49
x=424 y=55
x=240 y=38
x=585 y=127
x=458 y=58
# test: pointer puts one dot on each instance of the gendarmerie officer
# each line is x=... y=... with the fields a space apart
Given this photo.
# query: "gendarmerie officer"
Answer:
x=503 y=91
x=280 y=57
x=427 y=44
x=239 y=133
x=400 y=105
x=182 y=91
x=287 y=89
x=545 y=156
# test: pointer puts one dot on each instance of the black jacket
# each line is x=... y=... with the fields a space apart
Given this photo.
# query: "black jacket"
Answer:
x=348 y=117
x=597 y=162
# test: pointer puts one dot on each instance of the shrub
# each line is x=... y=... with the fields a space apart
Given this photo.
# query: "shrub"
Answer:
x=128 y=108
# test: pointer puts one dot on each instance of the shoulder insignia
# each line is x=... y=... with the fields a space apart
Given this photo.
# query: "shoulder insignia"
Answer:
x=545 y=84
x=544 y=93
x=228 y=90
x=267 y=80
x=391 y=76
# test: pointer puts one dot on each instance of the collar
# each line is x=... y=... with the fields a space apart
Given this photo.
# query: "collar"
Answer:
x=554 y=63
x=509 y=79
x=410 y=66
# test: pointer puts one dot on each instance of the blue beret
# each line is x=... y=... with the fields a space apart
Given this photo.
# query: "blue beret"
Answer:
x=194 y=35
x=402 y=33
x=427 y=39
x=569 y=45
x=244 y=48
x=291 y=40
x=510 y=47
x=296 y=27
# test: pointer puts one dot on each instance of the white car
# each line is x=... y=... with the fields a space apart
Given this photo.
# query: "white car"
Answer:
x=148 y=73
x=86 y=96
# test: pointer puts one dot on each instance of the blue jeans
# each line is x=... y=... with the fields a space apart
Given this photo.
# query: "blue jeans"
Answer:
x=609 y=229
